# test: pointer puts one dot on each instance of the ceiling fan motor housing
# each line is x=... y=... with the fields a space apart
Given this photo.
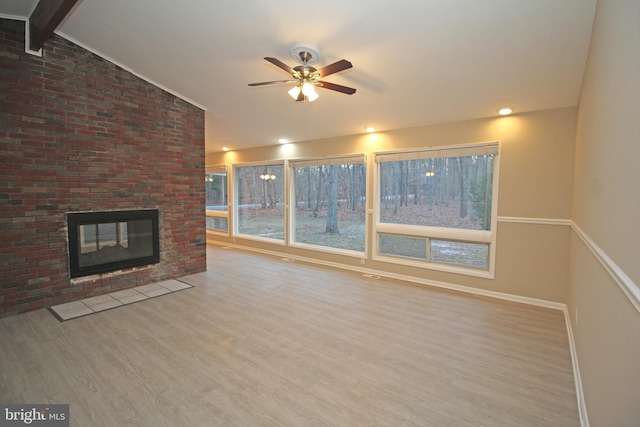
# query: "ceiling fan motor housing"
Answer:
x=305 y=53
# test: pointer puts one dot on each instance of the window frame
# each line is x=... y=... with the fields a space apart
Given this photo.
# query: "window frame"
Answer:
x=291 y=201
x=215 y=213
x=488 y=237
x=233 y=198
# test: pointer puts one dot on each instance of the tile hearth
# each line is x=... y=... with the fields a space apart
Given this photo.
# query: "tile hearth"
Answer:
x=87 y=306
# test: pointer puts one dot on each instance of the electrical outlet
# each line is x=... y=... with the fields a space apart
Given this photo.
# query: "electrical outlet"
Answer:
x=361 y=260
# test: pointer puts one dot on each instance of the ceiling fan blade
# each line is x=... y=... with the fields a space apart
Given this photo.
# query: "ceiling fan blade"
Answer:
x=336 y=67
x=337 y=88
x=280 y=64
x=271 y=83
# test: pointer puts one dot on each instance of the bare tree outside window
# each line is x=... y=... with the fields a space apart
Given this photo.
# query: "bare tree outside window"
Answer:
x=453 y=192
x=330 y=205
x=332 y=201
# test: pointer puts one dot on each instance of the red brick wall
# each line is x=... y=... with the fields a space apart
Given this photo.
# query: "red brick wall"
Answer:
x=78 y=133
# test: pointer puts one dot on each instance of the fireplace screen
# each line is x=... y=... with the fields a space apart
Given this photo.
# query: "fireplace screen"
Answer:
x=100 y=242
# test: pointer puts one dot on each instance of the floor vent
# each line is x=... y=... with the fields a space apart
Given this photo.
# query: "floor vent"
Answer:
x=287 y=260
x=371 y=276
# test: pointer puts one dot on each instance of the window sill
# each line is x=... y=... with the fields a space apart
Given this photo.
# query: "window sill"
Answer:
x=327 y=249
x=447 y=268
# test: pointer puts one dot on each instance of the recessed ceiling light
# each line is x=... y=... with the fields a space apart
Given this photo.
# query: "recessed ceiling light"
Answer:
x=225 y=149
x=505 y=111
x=370 y=129
x=282 y=141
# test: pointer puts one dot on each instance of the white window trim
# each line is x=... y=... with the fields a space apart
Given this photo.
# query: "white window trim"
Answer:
x=327 y=161
x=447 y=268
x=461 y=150
x=440 y=233
x=216 y=169
x=217 y=214
x=436 y=233
x=328 y=249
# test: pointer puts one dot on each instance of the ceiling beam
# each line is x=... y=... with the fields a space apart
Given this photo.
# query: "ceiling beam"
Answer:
x=45 y=18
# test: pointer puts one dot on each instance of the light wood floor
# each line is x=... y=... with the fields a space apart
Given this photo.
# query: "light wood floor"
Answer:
x=263 y=342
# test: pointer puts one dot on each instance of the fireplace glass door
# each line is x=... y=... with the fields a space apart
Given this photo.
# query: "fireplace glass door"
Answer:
x=107 y=241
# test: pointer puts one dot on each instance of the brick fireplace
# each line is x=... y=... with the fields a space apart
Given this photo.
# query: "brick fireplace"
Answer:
x=80 y=134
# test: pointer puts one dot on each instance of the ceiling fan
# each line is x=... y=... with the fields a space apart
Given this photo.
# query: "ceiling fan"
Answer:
x=306 y=77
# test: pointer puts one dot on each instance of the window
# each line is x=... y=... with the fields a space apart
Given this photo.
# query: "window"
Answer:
x=437 y=207
x=329 y=206
x=217 y=199
x=403 y=246
x=217 y=223
x=259 y=204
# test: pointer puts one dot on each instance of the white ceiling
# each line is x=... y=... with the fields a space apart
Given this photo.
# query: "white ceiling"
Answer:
x=415 y=62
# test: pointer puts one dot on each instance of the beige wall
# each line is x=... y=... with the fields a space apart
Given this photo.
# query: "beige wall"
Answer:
x=607 y=209
x=536 y=170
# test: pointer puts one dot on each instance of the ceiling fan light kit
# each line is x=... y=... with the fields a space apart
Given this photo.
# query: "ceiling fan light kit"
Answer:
x=295 y=92
x=311 y=95
x=306 y=77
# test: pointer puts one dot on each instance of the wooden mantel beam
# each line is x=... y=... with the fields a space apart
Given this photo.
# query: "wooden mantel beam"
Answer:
x=45 y=18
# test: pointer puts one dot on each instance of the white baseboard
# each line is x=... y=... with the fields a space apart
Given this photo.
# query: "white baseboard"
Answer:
x=582 y=406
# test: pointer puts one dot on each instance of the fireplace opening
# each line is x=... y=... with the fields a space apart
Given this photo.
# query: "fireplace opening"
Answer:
x=100 y=242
